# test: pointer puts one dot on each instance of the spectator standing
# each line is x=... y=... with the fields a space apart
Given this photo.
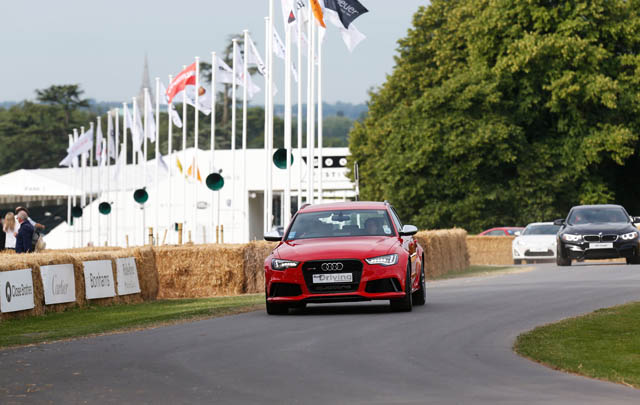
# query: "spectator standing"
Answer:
x=25 y=234
x=3 y=236
x=10 y=229
x=36 y=225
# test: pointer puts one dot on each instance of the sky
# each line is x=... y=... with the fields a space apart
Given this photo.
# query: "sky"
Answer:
x=101 y=44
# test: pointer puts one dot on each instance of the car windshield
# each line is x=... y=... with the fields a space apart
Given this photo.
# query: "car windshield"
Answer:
x=339 y=223
x=597 y=215
x=547 y=229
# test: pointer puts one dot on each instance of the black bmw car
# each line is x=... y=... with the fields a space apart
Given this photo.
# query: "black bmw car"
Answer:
x=597 y=232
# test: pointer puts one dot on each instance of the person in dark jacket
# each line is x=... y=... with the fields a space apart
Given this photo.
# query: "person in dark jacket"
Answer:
x=25 y=234
x=3 y=235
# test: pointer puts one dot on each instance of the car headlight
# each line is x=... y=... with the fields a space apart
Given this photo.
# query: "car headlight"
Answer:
x=629 y=236
x=520 y=242
x=279 y=264
x=386 y=260
x=571 y=238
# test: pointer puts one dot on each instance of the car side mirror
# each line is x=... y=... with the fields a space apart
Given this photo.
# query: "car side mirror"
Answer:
x=517 y=233
x=408 y=230
x=272 y=236
x=636 y=220
x=558 y=222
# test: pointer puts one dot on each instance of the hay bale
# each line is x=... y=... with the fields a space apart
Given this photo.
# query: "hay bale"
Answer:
x=33 y=261
x=490 y=250
x=200 y=270
x=254 y=255
x=445 y=251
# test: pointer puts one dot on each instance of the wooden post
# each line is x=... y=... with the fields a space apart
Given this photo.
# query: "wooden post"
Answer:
x=126 y=238
x=164 y=237
x=221 y=233
x=180 y=233
x=217 y=233
x=151 y=235
x=190 y=236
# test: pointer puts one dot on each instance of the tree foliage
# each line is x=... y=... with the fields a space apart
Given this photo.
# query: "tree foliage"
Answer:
x=67 y=97
x=502 y=112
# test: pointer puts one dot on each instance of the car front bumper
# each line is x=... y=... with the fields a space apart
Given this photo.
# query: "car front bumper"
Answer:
x=375 y=282
x=526 y=252
x=619 y=249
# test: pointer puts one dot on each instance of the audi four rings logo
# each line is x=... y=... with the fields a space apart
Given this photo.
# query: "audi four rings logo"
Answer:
x=332 y=266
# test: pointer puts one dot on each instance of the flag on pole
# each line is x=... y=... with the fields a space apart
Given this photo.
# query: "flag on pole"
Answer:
x=151 y=122
x=254 y=58
x=183 y=79
x=79 y=147
x=280 y=51
x=295 y=14
x=317 y=12
x=119 y=162
x=163 y=164
x=204 y=98
x=111 y=138
x=179 y=164
x=190 y=171
x=225 y=75
x=136 y=130
x=99 y=145
x=342 y=13
x=175 y=117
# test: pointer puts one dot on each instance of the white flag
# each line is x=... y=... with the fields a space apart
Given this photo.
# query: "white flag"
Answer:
x=163 y=164
x=110 y=137
x=136 y=129
x=175 y=117
x=204 y=98
x=295 y=14
x=151 y=121
x=119 y=162
x=82 y=145
x=225 y=75
x=254 y=58
x=280 y=51
x=99 y=144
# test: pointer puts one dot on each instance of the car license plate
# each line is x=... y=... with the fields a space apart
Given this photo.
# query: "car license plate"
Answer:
x=333 y=278
x=600 y=245
x=538 y=249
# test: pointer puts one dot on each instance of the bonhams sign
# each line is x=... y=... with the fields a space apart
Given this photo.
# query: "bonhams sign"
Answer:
x=59 y=283
x=98 y=279
x=127 y=274
x=17 y=290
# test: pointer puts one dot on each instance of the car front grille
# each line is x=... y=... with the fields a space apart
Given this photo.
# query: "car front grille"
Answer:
x=601 y=238
x=348 y=266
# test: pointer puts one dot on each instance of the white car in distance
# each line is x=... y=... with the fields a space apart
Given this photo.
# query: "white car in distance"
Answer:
x=536 y=242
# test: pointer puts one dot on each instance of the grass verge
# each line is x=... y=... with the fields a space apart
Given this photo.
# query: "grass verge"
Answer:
x=604 y=345
x=476 y=271
x=97 y=319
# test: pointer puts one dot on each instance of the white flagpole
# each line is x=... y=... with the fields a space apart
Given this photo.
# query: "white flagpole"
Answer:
x=233 y=142
x=108 y=157
x=123 y=169
x=195 y=154
x=300 y=75
x=71 y=181
x=144 y=162
x=171 y=163
x=266 y=196
x=310 y=129
x=212 y=145
x=157 y=174
x=270 y=115
x=76 y=198
x=93 y=147
x=136 y=161
x=245 y=80
x=116 y=217
x=184 y=155
x=99 y=162
x=83 y=200
x=287 y=124
x=320 y=125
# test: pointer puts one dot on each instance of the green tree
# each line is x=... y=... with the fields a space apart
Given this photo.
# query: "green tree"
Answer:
x=505 y=112
x=67 y=96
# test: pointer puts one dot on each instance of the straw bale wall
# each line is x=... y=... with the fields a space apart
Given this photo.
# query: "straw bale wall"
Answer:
x=490 y=250
x=254 y=255
x=200 y=270
x=445 y=251
x=145 y=263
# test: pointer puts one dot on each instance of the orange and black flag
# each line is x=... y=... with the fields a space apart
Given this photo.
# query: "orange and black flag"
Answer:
x=317 y=12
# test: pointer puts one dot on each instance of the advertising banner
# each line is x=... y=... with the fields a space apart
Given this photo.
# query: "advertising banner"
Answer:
x=59 y=283
x=127 y=273
x=17 y=290
x=98 y=279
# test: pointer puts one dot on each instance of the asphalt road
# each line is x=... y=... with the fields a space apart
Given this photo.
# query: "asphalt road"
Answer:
x=456 y=349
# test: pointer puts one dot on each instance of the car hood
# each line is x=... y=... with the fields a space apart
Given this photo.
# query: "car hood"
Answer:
x=535 y=239
x=336 y=248
x=605 y=228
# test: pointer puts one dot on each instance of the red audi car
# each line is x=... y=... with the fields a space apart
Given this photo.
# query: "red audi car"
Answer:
x=340 y=252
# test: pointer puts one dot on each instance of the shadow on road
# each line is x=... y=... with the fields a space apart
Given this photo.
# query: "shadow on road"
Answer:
x=345 y=309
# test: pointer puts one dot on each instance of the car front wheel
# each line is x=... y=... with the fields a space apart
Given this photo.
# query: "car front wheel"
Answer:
x=420 y=296
x=276 y=308
x=561 y=260
x=404 y=304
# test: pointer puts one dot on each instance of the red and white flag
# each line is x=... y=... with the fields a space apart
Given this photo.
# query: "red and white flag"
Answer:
x=185 y=78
